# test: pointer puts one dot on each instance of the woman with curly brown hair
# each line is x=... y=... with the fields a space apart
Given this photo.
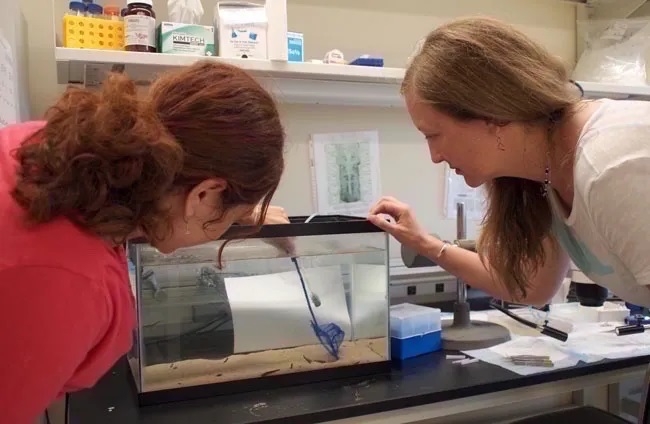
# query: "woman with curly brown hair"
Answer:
x=201 y=151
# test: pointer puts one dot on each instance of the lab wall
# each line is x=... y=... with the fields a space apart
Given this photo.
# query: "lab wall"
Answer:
x=380 y=27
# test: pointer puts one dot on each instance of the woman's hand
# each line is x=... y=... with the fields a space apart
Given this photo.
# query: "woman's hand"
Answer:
x=277 y=215
x=397 y=219
x=274 y=215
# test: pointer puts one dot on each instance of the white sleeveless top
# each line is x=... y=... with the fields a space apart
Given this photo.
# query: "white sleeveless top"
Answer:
x=607 y=234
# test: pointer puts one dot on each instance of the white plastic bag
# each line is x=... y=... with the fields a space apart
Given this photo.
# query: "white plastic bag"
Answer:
x=615 y=51
x=185 y=11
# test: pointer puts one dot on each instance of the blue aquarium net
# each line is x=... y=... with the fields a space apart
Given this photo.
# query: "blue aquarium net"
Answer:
x=330 y=335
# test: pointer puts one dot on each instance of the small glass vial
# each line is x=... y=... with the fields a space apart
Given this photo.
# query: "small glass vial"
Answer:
x=94 y=10
x=140 y=26
x=112 y=12
x=76 y=8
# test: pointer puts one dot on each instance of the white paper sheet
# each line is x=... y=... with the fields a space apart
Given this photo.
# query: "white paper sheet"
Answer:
x=457 y=191
x=8 y=85
x=345 y=172
x=270 y=311
x=610 y=346
x=369 y=312
x=526 y=345
x=587 y=346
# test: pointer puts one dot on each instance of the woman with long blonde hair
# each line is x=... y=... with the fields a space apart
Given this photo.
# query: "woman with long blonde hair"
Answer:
x=566 y=178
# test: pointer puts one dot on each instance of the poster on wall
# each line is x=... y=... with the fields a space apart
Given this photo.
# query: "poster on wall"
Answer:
x=345 y=172
x=8 y=86
x=457 y=191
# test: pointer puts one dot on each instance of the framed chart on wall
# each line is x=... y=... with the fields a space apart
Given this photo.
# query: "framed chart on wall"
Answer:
x=345 y=172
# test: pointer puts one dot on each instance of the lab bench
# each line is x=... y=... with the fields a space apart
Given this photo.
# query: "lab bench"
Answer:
x=429 y=388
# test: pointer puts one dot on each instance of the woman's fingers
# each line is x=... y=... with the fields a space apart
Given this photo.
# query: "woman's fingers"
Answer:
x=389 y=206
x=383 y=222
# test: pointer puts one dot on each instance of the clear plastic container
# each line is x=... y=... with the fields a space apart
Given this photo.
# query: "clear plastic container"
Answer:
x=408 y=320
x=414 y=330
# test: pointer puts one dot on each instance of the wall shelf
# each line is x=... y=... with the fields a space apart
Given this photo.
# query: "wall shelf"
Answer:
x=614 y=9
x=312 y=83
x=301 y=83
x=615 y=91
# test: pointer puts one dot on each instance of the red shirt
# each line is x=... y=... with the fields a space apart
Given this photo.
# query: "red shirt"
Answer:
x=66 y=308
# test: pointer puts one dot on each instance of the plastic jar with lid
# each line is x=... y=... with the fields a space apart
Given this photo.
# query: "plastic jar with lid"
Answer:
x=76 y=8
x=140 y=26
x=112 y=12
x=94 y=10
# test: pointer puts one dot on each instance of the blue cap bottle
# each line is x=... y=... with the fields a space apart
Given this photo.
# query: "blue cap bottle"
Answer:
x=76 y=8
x=95 y=10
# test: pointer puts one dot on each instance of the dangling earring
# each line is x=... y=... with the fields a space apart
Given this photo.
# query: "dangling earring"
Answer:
x=187 y=227
x=547 y=175
x=500 y=145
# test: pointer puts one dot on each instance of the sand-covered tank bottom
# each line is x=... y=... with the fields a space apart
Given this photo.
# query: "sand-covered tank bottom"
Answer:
x=197 y=372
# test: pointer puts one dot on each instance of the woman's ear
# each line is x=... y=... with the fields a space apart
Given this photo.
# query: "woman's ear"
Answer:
x=205 y=197
x=494 y=125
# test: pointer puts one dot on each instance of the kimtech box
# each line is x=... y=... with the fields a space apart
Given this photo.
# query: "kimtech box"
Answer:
x=187 y=39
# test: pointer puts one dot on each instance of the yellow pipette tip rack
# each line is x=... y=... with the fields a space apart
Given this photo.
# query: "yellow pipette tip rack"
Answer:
x=84 y=32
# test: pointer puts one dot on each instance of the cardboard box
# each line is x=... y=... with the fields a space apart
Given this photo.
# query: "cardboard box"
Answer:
x=241 y=30
x=296 y=47
x=187 y=39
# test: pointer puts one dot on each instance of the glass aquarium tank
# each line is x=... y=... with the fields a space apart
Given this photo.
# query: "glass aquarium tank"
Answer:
x=263 y=316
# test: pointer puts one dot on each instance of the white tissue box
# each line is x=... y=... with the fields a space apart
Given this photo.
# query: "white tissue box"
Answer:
x=187 y=39
x=241 y=30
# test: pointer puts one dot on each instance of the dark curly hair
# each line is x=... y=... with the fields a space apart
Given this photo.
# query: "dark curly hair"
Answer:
x=105 y=159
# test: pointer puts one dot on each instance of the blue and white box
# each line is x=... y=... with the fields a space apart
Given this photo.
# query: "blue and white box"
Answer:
x=414 y=330
x=296 y=47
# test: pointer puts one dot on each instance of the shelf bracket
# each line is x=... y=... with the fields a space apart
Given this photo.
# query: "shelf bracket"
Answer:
x=613 y=9
x=95 y=73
